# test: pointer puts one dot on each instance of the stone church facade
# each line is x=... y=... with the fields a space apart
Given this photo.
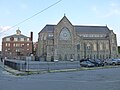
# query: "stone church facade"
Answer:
x=65 y=41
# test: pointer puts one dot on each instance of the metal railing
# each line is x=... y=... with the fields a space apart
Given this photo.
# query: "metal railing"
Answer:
x=41 y=66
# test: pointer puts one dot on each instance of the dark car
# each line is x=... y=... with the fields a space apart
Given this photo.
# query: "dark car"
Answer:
x=83 y=60
x=97 y=62
x=86 y=64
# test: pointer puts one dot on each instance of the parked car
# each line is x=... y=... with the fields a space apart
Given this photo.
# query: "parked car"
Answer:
x=71 y=60
x=87 y=64
x=56 y=60
x=84 y=60
x=118 y=61
x=97 y=62
x=112 y=61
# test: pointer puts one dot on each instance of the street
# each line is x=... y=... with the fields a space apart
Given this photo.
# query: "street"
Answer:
x=102 y=79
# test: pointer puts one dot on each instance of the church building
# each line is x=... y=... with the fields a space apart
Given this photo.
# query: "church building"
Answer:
x=65 y=41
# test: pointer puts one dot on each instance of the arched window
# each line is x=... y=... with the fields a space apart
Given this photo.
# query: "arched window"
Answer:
x=107 y=46
x=78 y=46
x=65 y=34
x=88 y=46
x=60 y=57
x=101 y=46
x=65 y=57
x=95 y=47
x=78 y=57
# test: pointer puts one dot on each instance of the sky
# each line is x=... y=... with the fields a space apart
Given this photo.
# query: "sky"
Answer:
x=79 y=12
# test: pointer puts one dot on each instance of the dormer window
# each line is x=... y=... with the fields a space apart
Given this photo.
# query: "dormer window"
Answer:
x=22 y=39
x=7 y=39
x=15 y=39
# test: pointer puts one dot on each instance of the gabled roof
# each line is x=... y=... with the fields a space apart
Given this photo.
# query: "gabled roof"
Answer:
x=48 y=28
x=17 y=36
x=66 y=19
x=78 y=28
x=91 y=29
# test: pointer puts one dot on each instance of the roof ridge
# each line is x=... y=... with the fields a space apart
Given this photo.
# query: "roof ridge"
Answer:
x=50 y=25
x=87 y=26
x=15 y=35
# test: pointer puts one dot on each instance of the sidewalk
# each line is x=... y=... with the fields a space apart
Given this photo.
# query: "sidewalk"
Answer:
x=10 y=70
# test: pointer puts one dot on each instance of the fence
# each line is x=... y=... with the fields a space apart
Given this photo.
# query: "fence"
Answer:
x=14 y=64
x=41 y=66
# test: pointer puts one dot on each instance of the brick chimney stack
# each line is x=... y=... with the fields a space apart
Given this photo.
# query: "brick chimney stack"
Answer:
x=31 y=36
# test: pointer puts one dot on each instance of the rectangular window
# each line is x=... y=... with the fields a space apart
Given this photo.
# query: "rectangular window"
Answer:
x=114 y=48
x=83 y=35
x=22 y=45
x=14 y=45
x=44 y=37
x=88 y=35
x=96 y=35
x=7 y=39
x=113 y=40
x=107 y=46
x=50 y=35
x=22 y=39
x=15 y=39
x=8 y=49
x=6 y=44
x=92 y=35
x=101 y=35
x=28 y=39
x=41 y=36
x=80 y=35
x=17 y=44
x=27 y=44
x=17 y=50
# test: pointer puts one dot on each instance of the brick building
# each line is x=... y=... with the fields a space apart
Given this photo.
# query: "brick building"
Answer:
x=17 y=46
x=65 y=41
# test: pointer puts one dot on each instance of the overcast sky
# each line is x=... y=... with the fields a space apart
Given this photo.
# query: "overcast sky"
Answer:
x=79 y=12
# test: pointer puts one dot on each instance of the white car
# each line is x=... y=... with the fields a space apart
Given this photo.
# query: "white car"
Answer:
x=112 y=62
x=71 y=60
x=56 y=60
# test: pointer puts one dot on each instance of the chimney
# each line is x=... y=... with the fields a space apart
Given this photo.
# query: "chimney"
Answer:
x=31 y=36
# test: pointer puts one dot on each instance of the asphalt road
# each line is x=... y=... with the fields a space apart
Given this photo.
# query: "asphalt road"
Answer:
x=102 y=79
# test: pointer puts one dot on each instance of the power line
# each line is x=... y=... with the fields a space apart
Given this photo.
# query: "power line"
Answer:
x=33 y=15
